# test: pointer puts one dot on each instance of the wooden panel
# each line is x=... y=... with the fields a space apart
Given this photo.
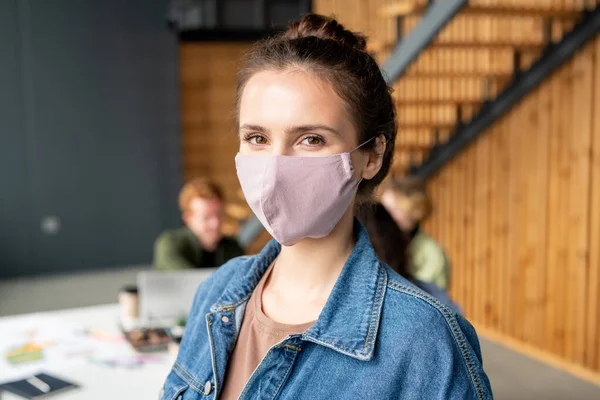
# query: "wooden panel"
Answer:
x=208 y=73
x=481 y=220
x=556 y=246
x=579 y=201
x=538 y=203
x=593 y=316
x=469 y=223
x=500 y=222
x=528 y=195
x=454 y=226
x=515 y=226
x=507 y=9
x=565 y=335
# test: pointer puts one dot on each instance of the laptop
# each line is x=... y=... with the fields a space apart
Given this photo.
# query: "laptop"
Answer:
x=166 y=296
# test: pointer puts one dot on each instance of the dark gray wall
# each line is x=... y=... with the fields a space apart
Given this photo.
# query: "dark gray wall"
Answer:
x=14 y=236
x=89 y=133
x=235 y=15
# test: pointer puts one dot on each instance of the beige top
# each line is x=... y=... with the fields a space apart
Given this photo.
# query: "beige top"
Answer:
x=428 y=260
x=257 y=334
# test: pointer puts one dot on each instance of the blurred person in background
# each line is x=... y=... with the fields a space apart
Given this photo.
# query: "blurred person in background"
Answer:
x=200 y=243
x=408 y=203
x=391 y=246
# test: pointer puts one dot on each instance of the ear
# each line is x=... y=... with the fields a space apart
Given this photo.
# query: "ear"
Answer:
x=184 y=217
x=375 y=158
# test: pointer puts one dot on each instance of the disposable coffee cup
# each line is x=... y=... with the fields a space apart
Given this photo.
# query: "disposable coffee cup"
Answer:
x=128 y=300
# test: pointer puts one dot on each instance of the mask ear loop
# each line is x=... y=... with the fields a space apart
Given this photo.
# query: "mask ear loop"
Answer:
x=361 y=145
x=358 y=147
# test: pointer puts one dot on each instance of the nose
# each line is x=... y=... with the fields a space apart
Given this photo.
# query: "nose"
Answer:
x=214 y=222
x=282 y=148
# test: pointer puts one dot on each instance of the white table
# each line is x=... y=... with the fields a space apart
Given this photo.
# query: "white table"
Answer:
x=99 y=382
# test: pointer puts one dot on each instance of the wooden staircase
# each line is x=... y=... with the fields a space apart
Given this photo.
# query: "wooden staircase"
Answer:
x=474 y=58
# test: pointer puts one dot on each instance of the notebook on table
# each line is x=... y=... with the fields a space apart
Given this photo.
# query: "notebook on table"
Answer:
x=40 y=386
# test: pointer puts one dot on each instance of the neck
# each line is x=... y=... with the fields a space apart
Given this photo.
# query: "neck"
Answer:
x=206 y=244
x=413 y=232
x=313 y=265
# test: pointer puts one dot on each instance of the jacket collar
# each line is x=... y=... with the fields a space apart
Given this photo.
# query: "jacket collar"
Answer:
x=350 y=319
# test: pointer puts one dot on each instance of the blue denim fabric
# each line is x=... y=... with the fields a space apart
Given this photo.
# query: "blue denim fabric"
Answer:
x=378 y=337
x=435 y=291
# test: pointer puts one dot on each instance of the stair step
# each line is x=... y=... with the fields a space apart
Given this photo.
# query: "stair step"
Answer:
x=404 y=9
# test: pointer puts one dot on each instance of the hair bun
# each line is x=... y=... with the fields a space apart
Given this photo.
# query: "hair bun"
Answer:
x=325 y=28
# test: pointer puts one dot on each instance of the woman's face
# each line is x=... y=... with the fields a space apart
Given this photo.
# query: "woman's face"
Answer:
x=292 y=113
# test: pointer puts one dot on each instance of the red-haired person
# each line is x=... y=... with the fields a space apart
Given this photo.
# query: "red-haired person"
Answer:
x=200 y=243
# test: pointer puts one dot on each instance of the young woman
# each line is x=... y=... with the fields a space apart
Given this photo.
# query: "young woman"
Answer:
x=316 y=315
x=409 y=204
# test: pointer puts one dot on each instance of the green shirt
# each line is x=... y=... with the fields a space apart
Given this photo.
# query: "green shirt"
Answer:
x=180 y=249
x=428 y=261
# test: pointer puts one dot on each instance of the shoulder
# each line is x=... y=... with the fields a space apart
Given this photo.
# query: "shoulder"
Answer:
x=413 y=299
x=424 y=245
x=408 y=302
x=432 y=331
x=408 y=298
x=441 y=295
x=425 y=241
x=171 y=236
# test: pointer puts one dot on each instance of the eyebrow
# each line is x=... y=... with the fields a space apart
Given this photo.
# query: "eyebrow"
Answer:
x=250 y=127
x=293 y=130
x=311 y=128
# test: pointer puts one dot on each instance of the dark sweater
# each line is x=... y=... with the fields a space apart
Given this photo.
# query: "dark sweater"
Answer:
x=180 y=249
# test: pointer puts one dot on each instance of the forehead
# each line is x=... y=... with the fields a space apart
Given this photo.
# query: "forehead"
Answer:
x=284 y=98
x=200 y=205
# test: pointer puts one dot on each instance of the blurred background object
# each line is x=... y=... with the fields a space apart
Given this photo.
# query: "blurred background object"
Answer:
x=90 y=159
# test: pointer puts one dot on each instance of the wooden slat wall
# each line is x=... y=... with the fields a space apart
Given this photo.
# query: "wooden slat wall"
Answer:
x=519 y=210
x=520 y=221
x=592 y=354
x=207 y=73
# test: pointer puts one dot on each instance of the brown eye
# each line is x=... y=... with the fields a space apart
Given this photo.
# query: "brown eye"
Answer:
x=312 y=140
x=257 y=140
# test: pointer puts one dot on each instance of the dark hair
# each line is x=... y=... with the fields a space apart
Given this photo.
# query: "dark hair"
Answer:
x=389 y=242
x=322 y=46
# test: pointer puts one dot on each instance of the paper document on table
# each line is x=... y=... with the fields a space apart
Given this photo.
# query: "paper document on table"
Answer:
x=35 y=342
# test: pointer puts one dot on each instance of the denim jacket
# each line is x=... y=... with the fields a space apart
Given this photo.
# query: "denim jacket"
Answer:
x=378 y=337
